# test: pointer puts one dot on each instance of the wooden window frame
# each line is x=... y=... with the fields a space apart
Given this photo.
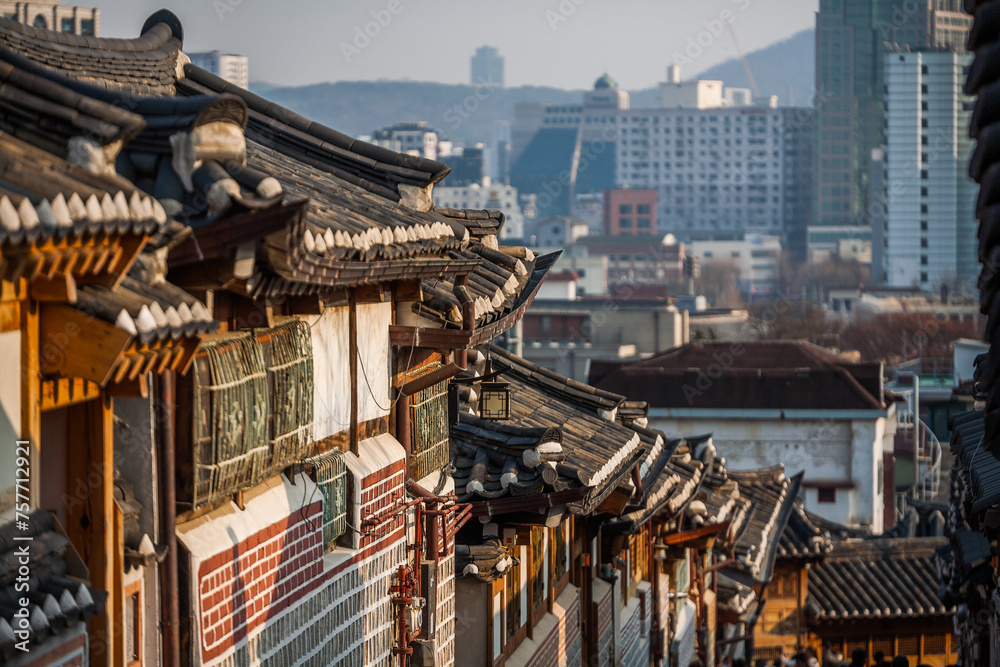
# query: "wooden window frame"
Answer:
x=135 y=589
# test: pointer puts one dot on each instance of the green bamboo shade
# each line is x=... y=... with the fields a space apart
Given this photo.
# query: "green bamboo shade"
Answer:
x=430 y=447
x=331 y=478
x=230 y=443
x=288 y=358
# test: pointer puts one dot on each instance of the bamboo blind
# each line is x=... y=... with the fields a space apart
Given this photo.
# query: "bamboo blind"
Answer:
x=331 y=478
x=288 y=358
x=230 y=417
x=429 y=450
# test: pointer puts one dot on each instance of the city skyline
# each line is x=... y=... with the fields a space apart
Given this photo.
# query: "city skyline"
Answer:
x=526 y=33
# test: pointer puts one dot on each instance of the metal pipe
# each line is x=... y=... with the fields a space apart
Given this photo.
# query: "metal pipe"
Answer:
x=403 y=426
x=169 y=587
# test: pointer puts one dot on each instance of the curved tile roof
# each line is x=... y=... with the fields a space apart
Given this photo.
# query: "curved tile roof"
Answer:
x=877 y=579
x=146 y=65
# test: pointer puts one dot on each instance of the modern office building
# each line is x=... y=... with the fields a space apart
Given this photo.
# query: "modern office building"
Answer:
x=852 y=37
x=930 y=218
x=487 y=67
x=233 y=68
x=50 y=15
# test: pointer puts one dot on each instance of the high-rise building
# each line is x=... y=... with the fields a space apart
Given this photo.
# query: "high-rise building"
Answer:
x=930 y=218
x=487 y=67
x=851 y=40
x=50 y=15
x=233 y=68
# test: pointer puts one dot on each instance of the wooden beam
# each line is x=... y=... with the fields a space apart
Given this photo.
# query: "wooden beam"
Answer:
x=369 y=294
x=31 y=394
x=117 y=592
x=63 y=392
x=74 y=344
x=58 y=289
x=408 y=290
x=137 y=388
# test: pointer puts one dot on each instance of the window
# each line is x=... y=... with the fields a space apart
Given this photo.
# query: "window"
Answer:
x=923 y=260
x=133 y=625
x=68 y=25
x=539 y=566
x=643 y=223
x=625 y=223
x=923 y=192
x=560 y=550
x=923 y=225
x=923 y=174
x=923 y=208
x=625 y=209
x=40 y=22
x=87 y=27
x=512 y=582
x=826 y=494
x=642 y=209
x=924 y=277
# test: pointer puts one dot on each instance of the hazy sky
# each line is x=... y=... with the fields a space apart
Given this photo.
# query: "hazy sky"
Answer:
x=563 y=43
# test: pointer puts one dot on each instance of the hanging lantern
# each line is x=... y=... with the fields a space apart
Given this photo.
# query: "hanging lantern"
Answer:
x=494 y=400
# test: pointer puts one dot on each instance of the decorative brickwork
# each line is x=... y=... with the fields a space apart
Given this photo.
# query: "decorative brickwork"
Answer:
x=604 y=598
x=444 y=638
x=558 y=640
x=69 y=649
x=266 y=593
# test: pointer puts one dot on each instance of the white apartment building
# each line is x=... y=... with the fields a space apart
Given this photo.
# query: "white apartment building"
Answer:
x=414 y=138
x=485 y=195
x=930 y=221
x=722 y=172
x=757 y=257
x=233 y=68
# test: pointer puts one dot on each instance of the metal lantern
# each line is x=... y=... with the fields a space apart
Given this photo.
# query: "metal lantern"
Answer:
x=494 y=400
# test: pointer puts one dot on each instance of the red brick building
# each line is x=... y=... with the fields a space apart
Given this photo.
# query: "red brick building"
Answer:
x=629 y=212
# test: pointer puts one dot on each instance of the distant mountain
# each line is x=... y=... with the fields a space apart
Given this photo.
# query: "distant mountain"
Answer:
x=466 y=114
x=786 y=69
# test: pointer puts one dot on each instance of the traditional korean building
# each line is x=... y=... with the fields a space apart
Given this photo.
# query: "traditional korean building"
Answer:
x=598 y=538
x=280 y=494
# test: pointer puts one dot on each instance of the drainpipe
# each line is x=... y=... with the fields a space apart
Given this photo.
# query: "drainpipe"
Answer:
x=170 y=604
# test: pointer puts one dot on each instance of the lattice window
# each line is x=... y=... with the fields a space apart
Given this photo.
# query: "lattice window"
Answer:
x=909 y=645
x=288 y=358
x=883 y=645
x=935 y=644
x=428 y=428
x=230 y=417
x=331 y=477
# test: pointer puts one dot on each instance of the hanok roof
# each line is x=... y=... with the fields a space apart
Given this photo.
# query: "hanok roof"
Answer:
x=559 y=429
x=42 y=197
x=978 y=468
x=770 y=496
x=803 y=536
x=60 y=592
x=146 y=65
x=877 y=579
x=764 y=375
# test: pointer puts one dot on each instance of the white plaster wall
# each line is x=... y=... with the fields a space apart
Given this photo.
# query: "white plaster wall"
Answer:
x=827 y=450
x=331 y=371
x=10 y=411
x=373 y=348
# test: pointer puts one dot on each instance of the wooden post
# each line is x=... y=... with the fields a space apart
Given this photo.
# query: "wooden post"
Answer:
x=31 y=395
x=353 y=352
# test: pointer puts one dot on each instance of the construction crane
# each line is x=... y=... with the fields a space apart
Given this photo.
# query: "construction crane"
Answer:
x=746 y=65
